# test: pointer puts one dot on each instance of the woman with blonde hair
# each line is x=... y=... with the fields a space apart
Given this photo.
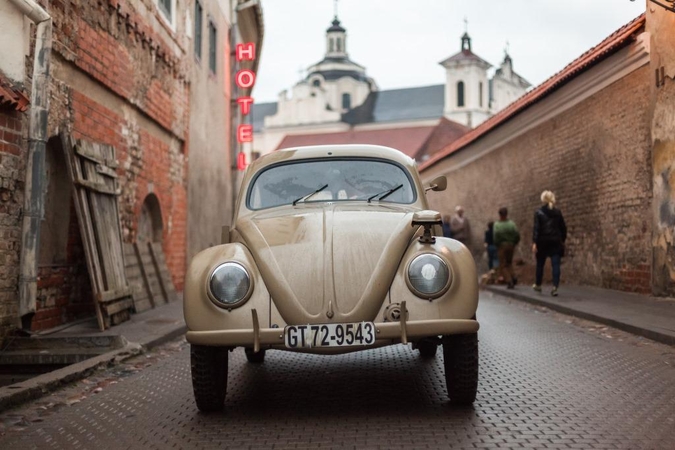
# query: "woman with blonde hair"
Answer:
x=548 y=237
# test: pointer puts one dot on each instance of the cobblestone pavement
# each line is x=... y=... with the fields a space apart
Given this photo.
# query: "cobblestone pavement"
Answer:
x=546 y=381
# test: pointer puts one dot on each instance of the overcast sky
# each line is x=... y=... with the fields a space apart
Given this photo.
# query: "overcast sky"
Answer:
x=400 y=42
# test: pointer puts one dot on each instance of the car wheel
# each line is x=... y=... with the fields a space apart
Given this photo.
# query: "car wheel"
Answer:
x=209 y=376
x=460 y=360
x=255 y=358
x=427 y=349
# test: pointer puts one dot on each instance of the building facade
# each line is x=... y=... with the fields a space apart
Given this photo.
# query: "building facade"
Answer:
x=337 y=96
x=598 y=135
x=120 y=73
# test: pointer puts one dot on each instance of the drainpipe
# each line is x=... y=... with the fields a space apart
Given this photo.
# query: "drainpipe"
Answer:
x=34 y=190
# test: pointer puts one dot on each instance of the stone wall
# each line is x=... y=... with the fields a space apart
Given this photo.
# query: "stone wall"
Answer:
x=12 y=162
x=596 y=158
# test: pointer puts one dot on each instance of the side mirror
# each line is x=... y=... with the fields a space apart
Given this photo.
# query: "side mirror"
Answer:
x=438 y=184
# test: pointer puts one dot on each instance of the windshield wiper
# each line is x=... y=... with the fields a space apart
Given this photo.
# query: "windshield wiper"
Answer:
x=305 y=197
x=385 y=194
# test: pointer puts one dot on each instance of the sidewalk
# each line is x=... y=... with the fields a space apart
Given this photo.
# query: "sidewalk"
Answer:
x=651 y=317
x=142 y=332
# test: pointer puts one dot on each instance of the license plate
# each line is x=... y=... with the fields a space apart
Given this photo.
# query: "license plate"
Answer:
x=330 y=335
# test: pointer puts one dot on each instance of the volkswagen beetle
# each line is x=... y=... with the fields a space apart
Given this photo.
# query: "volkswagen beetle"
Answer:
x=332 y=250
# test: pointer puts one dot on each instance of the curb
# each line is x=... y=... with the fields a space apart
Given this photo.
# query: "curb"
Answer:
x=36 y=387
x=639 y=331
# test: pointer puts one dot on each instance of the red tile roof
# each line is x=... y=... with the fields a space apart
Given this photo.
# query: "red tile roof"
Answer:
x=617 y=40
x=409 y=140
x=11 y=95
x=445 y=133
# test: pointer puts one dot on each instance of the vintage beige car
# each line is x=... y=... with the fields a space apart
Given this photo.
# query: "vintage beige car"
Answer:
x=332 y=250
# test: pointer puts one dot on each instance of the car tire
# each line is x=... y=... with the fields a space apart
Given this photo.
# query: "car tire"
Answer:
x=460 y=360
x=427 y=349
x=254 y=358
x=209 y=376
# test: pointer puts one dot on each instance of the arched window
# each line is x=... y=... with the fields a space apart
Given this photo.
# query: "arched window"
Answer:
x=460 y=93
x=331 y=45
x=346 y=101
x=480 y=94
x=150 y=223
x=339 y=44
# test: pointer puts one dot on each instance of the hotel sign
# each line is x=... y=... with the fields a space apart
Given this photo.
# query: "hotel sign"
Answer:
x=244 y=79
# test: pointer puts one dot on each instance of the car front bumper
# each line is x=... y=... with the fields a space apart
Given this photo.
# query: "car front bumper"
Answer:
x=387 y=333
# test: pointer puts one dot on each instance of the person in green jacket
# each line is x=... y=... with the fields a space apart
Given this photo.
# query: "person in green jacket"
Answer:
x=506 y=237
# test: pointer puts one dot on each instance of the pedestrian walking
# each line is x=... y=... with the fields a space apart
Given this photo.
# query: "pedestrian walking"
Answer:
x=447 y=232
x=549 y=234
x=459 y=226
x=490 y=246
x=506 y=237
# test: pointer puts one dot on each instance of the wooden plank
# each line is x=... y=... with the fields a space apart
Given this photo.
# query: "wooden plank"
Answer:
x=144 y=273
x=98 y=187
x=105 y=170
x=112 y=295
x=84 y=223
x=92 y=154
x=159 y=262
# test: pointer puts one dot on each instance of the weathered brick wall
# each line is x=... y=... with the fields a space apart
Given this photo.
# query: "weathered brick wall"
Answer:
x=596 y=158
x=132 y=93
x=11 y=202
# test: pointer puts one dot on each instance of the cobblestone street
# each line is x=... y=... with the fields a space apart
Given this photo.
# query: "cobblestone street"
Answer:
x=546 y=381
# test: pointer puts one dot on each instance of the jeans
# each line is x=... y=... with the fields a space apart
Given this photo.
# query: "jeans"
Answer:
x=492 y=257
x=555 y=266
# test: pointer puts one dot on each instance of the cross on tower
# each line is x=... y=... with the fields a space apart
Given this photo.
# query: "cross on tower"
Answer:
x=335 y=7
x=466 y=24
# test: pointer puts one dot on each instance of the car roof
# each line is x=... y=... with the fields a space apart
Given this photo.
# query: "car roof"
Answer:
x=334 y=151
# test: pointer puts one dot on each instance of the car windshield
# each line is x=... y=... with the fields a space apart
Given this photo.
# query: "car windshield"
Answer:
x=331 y=180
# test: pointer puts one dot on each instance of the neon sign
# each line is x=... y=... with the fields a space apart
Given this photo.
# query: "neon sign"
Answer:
x=244 y=79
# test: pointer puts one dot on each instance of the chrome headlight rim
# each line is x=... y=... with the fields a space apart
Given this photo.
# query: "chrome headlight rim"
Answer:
x=229 y=306
x=425 y=295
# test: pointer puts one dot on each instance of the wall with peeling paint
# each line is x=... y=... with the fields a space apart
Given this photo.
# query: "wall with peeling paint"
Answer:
x=661 y=26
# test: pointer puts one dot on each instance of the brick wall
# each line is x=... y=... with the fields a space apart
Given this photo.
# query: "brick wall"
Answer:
x=596 y=158
x=135 y=98
x=11 y=202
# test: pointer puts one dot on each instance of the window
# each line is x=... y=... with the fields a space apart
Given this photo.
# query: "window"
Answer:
x=480 y=94
x=316 y=82
x=339 y=44
x=346 y=101
x=166 y=7
x=345 y=179
x=460 y=93
x=331 y=46
x=213 y=35
x=198 y=29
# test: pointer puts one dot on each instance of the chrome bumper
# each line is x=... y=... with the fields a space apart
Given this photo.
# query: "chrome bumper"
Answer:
x=386 y=331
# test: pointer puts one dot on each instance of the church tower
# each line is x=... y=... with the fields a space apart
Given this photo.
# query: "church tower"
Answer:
x=466 y=87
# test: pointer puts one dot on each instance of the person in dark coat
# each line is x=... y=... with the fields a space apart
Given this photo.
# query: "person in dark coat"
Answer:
x=548 y=237
x=490 y=246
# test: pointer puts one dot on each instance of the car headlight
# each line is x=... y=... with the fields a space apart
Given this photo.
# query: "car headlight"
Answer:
x=230 y=285
x=428 y=276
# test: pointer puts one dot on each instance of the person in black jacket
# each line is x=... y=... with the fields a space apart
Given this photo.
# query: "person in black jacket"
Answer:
x=549 y=235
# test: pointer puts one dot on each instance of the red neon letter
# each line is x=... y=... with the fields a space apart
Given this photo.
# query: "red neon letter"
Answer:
x=241 y=161
x=245 y=104
x=245 y=78
x=246 y=52
x=245 y=133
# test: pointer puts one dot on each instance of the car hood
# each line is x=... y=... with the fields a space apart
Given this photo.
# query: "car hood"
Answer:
x=328 y=262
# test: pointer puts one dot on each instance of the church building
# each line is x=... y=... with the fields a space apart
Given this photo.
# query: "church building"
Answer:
x=338 y=103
